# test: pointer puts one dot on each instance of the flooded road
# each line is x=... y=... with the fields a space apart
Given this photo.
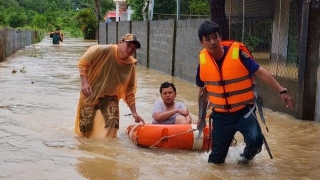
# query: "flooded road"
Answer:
x=37 y=112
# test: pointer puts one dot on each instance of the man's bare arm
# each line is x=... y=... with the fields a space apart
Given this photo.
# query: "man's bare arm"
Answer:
x=163 y=116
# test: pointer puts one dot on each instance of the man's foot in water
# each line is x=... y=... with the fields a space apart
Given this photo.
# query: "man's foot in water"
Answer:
x=243 y=160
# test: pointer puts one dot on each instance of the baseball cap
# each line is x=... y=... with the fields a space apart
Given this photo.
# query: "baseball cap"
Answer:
x=131 y=38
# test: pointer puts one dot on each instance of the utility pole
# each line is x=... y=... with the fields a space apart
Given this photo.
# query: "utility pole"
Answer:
x=151 y=6
x=178 y=9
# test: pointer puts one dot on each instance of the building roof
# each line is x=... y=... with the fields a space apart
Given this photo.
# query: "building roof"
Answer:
x=111 y=14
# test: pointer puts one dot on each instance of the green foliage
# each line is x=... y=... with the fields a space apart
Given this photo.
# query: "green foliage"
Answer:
x=36 y=5
x=293 y=39
x=257 y=34
x=49 y=14
x=136 y=6
x=5 y=4
x=39 y=21
x=3 y=20
x=87 y=23
x=73 y=29
x=197 y=7
x=160 y=7
x=76 y=32
x=82 y=4
x=30 y=15
x=106 y=5
x=165 y=9
x=252 y=42
x=17 y=20
x=39 y=34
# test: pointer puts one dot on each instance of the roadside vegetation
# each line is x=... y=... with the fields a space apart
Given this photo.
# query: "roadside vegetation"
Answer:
x=74 y=17
x=79 y=18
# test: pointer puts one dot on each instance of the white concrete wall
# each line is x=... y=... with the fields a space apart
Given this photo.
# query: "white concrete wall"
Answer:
x=280 y=30
x=129 y=12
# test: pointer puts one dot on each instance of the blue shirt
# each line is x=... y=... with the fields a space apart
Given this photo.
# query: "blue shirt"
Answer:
x=56 y=38
x=248 y=62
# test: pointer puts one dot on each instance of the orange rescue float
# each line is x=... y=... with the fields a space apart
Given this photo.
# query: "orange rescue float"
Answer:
x=170 y=136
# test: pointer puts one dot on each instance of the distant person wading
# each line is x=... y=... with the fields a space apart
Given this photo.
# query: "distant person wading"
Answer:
x=56 y=36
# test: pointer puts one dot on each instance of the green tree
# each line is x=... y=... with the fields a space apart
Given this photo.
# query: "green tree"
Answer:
x=74 y=27
x=37 y=5
x=3 y=20
x=7 y=4
x=39 y=21
x=30 y=15
x=49 y=14
x=17 y=20
x=162 y=8
x=106 y=5
x=199 y=7
x=165 y=9
x=87 y=23
x=136 y=6
x=194 y=8
x=51 y=18
x=82 y=4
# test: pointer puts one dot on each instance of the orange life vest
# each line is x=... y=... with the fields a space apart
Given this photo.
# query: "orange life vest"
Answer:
x=231 y=87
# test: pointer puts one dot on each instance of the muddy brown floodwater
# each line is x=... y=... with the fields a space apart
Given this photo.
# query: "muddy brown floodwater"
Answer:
x=37 y=112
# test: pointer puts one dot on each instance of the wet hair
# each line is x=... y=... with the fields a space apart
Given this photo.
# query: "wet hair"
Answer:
x=208 y=28
x=166 y=85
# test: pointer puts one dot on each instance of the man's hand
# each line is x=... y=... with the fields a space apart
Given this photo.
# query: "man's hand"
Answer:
x=61 y=36
x=138 y=119
x=198 y=123
x=183 y=112
x=86 y=89
x=288 y=100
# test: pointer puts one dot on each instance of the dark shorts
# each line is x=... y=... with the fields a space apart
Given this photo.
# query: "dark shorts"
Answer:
x=225 y=125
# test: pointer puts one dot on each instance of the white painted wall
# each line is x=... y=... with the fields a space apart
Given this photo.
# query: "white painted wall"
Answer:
x=280 y=29
x=129 y=12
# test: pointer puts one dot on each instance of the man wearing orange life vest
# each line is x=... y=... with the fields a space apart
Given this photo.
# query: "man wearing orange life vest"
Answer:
x=225 y=74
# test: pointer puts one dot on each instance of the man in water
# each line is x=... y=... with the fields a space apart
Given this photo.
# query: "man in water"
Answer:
x=56 y=36
x=168 y=111
x=108 y=74
x=224 y=77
